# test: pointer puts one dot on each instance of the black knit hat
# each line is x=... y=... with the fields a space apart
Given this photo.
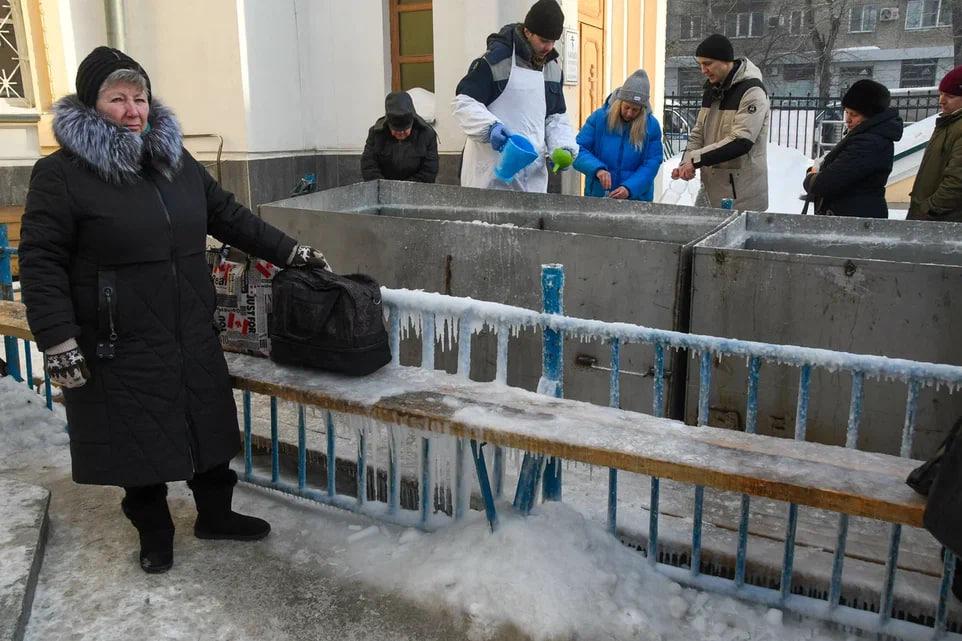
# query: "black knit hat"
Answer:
x=867 y=97
x=545 y=19
x=716 y=47
x=100 y=63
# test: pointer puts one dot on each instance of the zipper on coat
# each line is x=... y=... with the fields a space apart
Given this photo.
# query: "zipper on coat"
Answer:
x=191 y=437
x=106 y=340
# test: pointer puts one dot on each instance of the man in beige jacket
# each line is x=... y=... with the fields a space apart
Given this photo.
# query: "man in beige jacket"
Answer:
x=730 y=138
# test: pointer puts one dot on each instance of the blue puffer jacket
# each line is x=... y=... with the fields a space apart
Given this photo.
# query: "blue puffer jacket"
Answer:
x=629 y=167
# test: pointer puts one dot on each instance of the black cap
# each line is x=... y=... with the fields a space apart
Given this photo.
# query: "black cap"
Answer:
x=867 y=97
x=100 y=63
x=716 y=47
x=545 y=19
x=399 y=110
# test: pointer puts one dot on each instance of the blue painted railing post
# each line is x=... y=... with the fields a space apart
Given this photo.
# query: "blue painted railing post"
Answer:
x=552 y=292
x=6 y=293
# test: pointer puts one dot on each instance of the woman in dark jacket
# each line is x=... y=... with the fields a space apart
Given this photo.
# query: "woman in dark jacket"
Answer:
x=851 y=178
x=120 y=299
x=400 y=145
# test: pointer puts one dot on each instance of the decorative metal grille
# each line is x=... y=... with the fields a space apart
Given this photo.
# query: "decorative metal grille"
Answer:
x=12 y=56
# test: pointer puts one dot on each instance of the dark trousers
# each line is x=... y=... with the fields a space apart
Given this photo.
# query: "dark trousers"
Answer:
x=146 y=505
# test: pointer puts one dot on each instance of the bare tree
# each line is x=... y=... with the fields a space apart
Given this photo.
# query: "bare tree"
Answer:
x=957 y=29
x=825 y=27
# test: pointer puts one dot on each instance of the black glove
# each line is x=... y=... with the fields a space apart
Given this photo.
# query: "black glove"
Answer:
x=304 y=256
x=66 y=365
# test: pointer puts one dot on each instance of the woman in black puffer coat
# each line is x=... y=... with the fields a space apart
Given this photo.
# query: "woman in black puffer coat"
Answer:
x=120 y=299
x=851 y=178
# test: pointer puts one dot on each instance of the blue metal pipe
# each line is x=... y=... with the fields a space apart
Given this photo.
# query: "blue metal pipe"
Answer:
x=47 y=390
x=28 y=361
x=477 y=453
x=788 y=560
x=751 y=412
x=741 y=556
x=911 y=413
x=704 y=388
x=835 y=589
x=499 y=471
x=427 y=507
x=658 y=397
x=331 y=458
x=275 y=444
x=888 y=586
x=942 y=611
x=248 y=447
x=552 y=293
x=361 y=466
x=801 y=412
x=653 y=521
x=855 y=409
x=6 y=293
x=613 y=500
x=531 y=468
x=696 y=530
x=301 y=447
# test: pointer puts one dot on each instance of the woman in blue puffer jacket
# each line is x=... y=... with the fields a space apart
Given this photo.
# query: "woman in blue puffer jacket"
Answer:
x=621 y=144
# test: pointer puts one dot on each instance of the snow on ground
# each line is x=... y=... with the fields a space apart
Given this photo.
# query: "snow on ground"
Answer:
x=786 y=170
x=552 y=575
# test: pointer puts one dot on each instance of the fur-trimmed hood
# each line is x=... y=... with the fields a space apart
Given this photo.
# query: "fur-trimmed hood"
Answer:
x=114 y=153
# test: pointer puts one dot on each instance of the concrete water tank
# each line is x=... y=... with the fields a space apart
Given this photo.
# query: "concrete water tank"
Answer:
x=624 y=261
x=857 y=285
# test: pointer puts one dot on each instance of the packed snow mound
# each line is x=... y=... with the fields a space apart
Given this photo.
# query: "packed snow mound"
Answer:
x=27 y=426
x=786 y=170
x=556 y=575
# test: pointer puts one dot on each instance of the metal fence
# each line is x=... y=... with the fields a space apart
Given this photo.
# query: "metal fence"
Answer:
x=810 y=124
x=425 y=311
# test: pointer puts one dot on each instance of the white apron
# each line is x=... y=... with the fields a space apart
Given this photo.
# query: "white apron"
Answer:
x=521 y=108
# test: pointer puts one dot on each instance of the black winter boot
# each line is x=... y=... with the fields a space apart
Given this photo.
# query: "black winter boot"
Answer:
x=213 y=491
x=146 y=507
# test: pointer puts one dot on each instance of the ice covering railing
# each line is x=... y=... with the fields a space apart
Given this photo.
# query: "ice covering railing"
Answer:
x=11 y=344
x=423 y=310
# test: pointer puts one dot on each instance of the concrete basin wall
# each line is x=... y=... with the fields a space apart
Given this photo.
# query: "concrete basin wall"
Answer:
x=856 y=285
x=624 y=262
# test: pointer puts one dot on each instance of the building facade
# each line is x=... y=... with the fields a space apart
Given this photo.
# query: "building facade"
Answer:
x=282 y=88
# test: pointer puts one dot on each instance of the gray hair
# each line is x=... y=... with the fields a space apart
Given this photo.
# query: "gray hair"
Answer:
x=124 y=76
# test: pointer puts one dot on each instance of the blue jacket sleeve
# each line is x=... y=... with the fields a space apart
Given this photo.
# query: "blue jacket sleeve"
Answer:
x=861 y=157
x=643 y=177
x=586 y=162
x=479 y=83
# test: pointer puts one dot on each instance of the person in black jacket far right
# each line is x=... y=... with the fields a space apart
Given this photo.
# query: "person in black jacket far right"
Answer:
x=850 y=181
x=400 y=145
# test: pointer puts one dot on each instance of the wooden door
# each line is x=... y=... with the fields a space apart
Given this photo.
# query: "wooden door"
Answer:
x=591 y=18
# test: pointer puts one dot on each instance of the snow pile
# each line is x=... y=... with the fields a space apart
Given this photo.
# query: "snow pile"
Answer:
x=29 y=429
x=786 y=170
x=553 y=575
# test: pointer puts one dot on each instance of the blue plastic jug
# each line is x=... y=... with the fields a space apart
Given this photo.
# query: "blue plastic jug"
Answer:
x=518 y=153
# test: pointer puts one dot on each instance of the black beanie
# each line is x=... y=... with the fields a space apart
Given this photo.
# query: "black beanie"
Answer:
x=545 y=19
x=716 y=47
x=100 y=63
x=867 y=97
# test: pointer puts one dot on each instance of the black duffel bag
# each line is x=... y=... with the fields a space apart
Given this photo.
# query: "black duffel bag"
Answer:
x=328 y=321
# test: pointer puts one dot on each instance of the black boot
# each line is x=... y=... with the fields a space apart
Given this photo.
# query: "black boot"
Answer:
x=146 y=507
x=213 y=491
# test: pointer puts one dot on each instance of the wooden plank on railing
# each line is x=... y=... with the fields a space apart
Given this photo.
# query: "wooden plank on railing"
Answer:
x=13 y=320
x=822 y=476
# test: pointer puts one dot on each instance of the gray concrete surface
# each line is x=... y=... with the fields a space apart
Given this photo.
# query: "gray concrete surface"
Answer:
x=23 y=535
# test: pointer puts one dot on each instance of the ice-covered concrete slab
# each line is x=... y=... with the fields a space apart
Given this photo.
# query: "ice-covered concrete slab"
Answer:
x=23 y=535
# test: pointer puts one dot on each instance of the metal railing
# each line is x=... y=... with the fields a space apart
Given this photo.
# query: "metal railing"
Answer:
x=463 y=317
x=810 y=124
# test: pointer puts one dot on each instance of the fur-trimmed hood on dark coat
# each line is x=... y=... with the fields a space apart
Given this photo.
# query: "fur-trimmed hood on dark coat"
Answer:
x=115 y=153
x=112 y=255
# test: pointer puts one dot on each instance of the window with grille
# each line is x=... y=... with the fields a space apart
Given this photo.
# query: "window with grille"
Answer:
x=798 y=73
x=412 y=44
x=799 y=22
x=850 y=74
x=748 y=24
x=691 y=28
x=918 y=73
x=863 y=19
x=926 y=14
x=690 y=82
x=14 y=75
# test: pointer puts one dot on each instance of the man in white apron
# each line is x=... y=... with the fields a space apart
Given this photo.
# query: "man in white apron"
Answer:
x=515 y=88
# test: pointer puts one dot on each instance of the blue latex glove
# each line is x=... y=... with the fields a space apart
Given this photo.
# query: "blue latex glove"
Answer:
x=499 y=135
